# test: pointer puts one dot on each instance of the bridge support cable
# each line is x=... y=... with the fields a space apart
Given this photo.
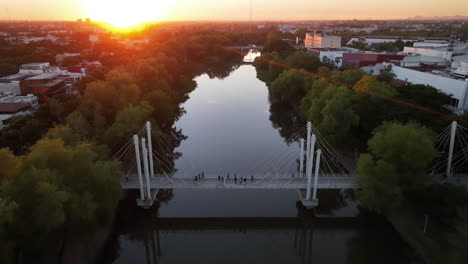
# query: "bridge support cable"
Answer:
x=274 y=160
x=163 y=170
x=163 y=155
x=140 y=177
x=167 y=149
x=441 y=145
x=333 y=155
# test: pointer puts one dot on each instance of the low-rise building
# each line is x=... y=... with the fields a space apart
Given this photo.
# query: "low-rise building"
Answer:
x=35 y=68
x=84 y=67
x=11 y=84
x=369 y=40
x=59 y=57
x=9 y=110
x=368 y=59
x=42 y=85
x=440 y=79
x=12 y=105
x=321 y=40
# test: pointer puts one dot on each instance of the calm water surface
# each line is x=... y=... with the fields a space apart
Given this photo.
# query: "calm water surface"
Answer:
x=228 y=129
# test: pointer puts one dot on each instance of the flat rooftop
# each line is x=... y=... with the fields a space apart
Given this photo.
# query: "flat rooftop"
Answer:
x=14 y=77
x=35 y=64
x=11 y=108
x=44 y=76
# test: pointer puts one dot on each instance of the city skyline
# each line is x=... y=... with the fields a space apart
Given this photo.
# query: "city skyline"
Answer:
x=191 y=10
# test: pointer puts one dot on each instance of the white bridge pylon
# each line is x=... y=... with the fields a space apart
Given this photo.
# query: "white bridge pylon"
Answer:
x=146 y=196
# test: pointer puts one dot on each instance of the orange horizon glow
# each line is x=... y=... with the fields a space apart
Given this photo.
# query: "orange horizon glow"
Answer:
x=125 y=14
x=128 y=13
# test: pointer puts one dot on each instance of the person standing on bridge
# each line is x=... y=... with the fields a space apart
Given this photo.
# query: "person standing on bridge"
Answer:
x=219 y=177
x=203 y=175
x=251 y=178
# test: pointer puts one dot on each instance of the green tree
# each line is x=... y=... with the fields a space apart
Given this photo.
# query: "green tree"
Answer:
x=274 y=43
x=128 y=122
x=304 y=60
x=332 y=114
x=400 y=155
x=289 y=87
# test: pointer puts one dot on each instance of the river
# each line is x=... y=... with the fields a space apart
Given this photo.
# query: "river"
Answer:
x=228 y=129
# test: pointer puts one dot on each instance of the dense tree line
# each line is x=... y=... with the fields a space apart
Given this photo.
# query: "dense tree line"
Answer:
x=355 y=111
x=61 y=183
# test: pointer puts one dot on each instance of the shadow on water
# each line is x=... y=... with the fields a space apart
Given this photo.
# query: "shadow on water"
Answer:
x=307 y=238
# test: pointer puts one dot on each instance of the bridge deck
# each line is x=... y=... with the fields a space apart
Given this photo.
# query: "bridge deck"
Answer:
x=212 y=182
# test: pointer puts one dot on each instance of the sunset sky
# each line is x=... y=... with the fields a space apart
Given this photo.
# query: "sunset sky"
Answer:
x=228 y=9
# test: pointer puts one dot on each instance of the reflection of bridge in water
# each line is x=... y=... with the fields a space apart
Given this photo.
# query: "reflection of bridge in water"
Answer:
x=300 y=232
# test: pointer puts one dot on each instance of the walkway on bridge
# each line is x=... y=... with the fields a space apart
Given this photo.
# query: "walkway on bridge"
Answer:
x=259 y=182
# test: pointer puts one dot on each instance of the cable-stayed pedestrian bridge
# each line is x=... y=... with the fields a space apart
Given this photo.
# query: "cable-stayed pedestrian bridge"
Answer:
x=314 y=165
x=148 y=166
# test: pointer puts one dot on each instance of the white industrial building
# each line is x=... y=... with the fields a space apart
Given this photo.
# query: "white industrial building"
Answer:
x=35 y=68
x=441 y=80
x=369 y=40
x=11 y=84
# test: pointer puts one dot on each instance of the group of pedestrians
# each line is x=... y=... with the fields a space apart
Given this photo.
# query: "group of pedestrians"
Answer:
x=240 y=180
x=199 y=177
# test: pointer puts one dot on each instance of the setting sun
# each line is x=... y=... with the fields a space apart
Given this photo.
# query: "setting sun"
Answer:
x=125 y=13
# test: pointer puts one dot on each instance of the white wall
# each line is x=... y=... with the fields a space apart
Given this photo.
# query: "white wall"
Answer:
x=446 y=55
x=457 y=88
x=332 y=55
x=11 y=87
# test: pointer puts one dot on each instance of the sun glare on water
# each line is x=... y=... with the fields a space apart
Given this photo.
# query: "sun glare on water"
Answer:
x=125 y=14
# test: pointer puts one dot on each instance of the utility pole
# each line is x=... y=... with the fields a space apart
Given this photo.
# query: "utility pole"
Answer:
x=450 y=154
x=138 y=162
x=251 y=18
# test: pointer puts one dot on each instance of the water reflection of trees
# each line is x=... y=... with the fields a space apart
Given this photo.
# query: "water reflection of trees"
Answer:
x=287 y=119
x=376 y=242
x=137 y=225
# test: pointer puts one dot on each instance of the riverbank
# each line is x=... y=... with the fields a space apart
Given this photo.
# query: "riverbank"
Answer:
x=412 y=233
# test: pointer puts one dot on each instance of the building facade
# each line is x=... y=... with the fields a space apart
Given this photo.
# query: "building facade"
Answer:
x=321 y=40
